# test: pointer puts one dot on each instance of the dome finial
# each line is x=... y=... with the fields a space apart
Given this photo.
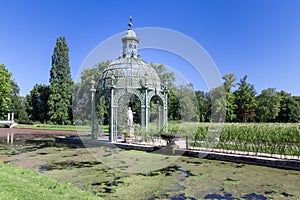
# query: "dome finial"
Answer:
x=130 y=23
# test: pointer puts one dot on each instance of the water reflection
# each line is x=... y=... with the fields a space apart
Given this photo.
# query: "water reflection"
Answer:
x=25 y=143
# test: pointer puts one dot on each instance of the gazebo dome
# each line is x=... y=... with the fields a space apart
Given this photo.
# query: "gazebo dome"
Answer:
x=129 y=70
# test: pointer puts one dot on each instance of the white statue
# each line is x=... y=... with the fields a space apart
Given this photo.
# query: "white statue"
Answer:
x=130 y=129
x=129 y=115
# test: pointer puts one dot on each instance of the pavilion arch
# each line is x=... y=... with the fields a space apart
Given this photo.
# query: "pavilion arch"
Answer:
x=122 y=104
x=157 y=112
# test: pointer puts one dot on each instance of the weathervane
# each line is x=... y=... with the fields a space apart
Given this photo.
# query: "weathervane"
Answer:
x=130 y=23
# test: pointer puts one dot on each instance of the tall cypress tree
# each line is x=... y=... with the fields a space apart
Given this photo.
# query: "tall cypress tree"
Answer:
x=61 y=85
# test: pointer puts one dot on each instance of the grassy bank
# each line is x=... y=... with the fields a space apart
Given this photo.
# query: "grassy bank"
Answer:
x=18 y=183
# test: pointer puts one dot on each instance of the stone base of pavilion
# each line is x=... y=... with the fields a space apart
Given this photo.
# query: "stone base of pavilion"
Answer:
x=154 y=141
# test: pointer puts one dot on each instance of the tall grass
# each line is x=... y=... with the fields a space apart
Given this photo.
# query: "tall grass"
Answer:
x=270 y=138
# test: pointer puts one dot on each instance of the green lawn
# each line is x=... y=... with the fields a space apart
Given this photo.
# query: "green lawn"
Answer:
x=54 y=127
x=78 y=128
x=18 y=183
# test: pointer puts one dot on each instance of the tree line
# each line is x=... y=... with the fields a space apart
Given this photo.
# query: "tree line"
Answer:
x=243 y=104
x=64 y=102
x=45 y=103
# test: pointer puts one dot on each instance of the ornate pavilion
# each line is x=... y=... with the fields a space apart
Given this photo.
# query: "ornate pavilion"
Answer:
x=128 y=79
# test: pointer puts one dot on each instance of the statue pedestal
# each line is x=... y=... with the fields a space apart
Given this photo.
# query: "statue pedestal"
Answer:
x=130 y=134
x=130 y=131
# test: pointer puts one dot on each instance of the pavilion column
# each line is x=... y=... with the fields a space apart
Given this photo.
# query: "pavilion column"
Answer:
x=165 y=105
x=143 y=116
x=146 y=110
x=161 y=117
x=111 y=124
x=93 y=114
x=115 y=125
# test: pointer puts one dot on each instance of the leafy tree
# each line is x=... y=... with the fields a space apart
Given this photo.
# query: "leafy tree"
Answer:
x=245 y=101
x=10 y=101
x=164 y=75
x=289 y=108
x=181 y=101
x=268 y=105
x=297 y=98
x=61 y=85
x=82 y=95
x=5 y=91
x=37 y=106
x=173 y=104
x=218 y=104
x=188 y=103
x=19 y=110
x=229 y=83
x=204 y=106
x=18 y=104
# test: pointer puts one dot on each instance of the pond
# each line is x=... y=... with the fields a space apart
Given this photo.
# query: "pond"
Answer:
x=119 y=174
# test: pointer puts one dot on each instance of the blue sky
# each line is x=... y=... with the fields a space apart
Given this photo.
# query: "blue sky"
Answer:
x=260 y=38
